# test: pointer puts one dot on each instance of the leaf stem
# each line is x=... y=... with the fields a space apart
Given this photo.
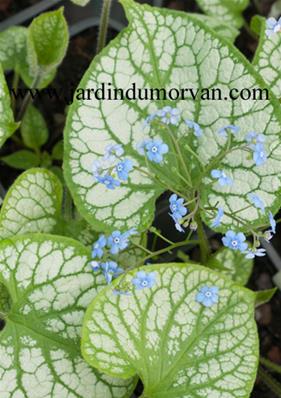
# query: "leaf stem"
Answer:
x=28 y=99
x=15 y=84
x=203 y=241
x=103 y=28
x=270 y=382
x=270 y=365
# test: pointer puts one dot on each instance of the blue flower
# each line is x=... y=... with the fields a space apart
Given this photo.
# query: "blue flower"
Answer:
x=123 y=168
x=108 y=181
x=208 y=296
x=95 y=265
x=112 y=151
x=97 y=168
x=217 y=221
x=272 y=223
x=110 y=270
x=192 y=125
x=154 y=149
x=177 y=223
x=176 y=206
x=254 y=252
x=169 y=115
x=118 y=241
x=97 y=249
x=259 y=156
x=222 y=178
x=223 y=131
x=235 y=241
x=144 y=280
x=273 y=26
x=255 y=138
x=256 y=201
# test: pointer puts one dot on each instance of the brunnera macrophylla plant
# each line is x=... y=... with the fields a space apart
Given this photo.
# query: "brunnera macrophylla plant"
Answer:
x=185 y=330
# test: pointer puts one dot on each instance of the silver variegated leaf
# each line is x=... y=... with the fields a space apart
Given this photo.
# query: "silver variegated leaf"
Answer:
x=50 y=284
x=179 y=347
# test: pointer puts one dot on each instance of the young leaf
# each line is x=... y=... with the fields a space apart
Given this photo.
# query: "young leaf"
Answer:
x=228 y=11
x=13 y=56
x=232 y=264
x=222 y=28
x=34 y=130
x=264 y=296
x=178 y=346
x=32 y=204
x=12 y=43
x=47 y=41
x=191 y=50
x=267 y=59
x=7 y=122
x=50 y=284
x=57 y=152
x=22 y=159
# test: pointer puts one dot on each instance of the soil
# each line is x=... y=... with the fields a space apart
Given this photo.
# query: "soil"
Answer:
x=80 y=53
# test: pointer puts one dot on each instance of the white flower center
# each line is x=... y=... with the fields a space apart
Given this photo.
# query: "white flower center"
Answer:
x=116 y=240
x=144 y=283
x=208 y=294
x=154 y=149
x=120 y=167
x=174 y=207
x=234 y=243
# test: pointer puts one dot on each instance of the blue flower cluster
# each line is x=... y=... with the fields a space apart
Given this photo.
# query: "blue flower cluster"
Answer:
x=166 y=115
x=237 y=240
x=178 y=211
x=111 y=170
x=256 y=143
x=115 y=243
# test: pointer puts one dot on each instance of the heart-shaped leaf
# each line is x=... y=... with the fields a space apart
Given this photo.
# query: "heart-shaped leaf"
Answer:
x=32 y=204
x=180 y=347
x=233 y=264
x=50 y=284
x=193 y=56
x=267 y=59
x=7 y=122
x=228 y=11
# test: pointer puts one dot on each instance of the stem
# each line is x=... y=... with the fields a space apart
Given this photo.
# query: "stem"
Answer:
x=15 y=84
x=104 y=19
x=203 y=241
x=168 y=249
x=270 y=382
x=270 y=365
x=142 y=248
x=154 y=231
x=28 y=99
x=67 y=205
